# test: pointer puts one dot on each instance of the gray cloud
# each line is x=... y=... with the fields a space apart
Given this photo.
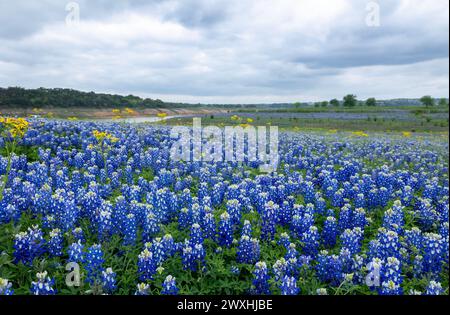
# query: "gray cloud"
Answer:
x=228 y=51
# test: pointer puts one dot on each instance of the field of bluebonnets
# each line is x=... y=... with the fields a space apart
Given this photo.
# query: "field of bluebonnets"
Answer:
x=344 y=214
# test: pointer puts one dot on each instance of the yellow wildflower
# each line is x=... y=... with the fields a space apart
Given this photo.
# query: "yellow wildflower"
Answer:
x=360 y=134
x=406 y=134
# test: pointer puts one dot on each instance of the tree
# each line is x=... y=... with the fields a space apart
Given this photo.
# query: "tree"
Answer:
x=371 y=102
x=443 y=102
x=350 y=100
x=334 y=102
x=427 y=101
x=324 y=104
x=297 y=104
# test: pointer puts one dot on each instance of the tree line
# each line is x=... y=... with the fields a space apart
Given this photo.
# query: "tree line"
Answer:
x=351 y=100
x=42 y=97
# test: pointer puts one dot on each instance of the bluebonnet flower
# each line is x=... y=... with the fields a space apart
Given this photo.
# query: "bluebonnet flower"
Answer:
x=320 y=205
x=284 y=240
x=209 y=226
x=289 y=286
x=169 y=287
x=433 y=253
x=235 y=270
x=393 y=218
x=119 y=213
x=280 y=268
x=357 y=269
x=329 y=232
x=49 y=222
x=193 y=256
x=104 y=223
x=225 y=230
x=109 y=281
x=425 y=212
x=75 y=252
x=359 y=218
x=434 y=288
x=345 y=218
x=93 y=261
x=338 y=199
x=78 y=234
x=248 y=250
x=43 y=285
x=142 y=289
x=310 y=240
x=391 y=277
x=150 y=228
x=146 y=265
x=184 y=218
x=6 y=287
x=130 y=232
x=188 y=259
x=158 y=250
x=29 y=245
x=21 y=247
x=352 y=240
x=55 y=243
x=374 y=270
x=360 y=201
x=406 y=195
x=261 y=279
x=418 y=266
x=285 y=213
x=247 y=229
x=234 y=210
x=196 y=234
x=292 y=260
x=321 y=291
x=414 y=239
x=268 y=220
x=308 y=192
x=389 y=244
x=169 y=245
x=383 y=196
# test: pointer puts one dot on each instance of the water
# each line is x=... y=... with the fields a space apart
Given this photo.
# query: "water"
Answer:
x=140 y=119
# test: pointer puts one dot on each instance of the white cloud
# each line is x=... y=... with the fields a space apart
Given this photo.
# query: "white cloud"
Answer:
x=230 y=51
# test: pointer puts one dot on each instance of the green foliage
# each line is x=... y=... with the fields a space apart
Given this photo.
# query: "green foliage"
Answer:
x=350 y=100
x=371 y=102
x=29 y=98
x=334 y=102
x=427 y=101
x=443 y=102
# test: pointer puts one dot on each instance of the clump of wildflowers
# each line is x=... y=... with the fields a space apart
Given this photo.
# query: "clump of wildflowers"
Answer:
x=261 y=279
x=289 y=286
x=169 y=286
x=43 y=285
x=109 y=281
x=6 y=287
x=93 y=261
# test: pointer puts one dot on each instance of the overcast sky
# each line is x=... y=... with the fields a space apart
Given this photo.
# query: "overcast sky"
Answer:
x=230 y=51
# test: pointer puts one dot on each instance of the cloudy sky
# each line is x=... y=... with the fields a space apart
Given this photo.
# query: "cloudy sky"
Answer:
x=228 y=51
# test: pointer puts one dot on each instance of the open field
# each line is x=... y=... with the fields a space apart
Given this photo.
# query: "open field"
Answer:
x=386 y=118
x=380 y=121
x=108 y=197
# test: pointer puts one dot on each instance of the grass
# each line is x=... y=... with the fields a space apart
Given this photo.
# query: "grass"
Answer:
x=293 y=123
x=341 y=109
